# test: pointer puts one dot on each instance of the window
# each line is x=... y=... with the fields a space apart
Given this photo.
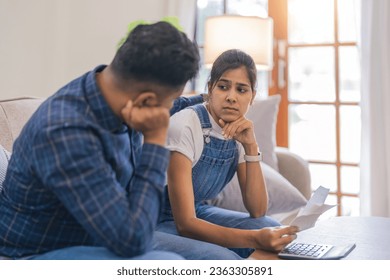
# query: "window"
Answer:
x=321 y=92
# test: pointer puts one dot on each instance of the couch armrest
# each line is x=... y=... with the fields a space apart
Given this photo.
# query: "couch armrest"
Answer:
x=295 y=169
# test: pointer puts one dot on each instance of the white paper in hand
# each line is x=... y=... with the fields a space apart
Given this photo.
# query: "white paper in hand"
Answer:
x=314 y=208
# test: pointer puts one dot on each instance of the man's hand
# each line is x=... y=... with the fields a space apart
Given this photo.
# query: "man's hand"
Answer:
x=151 y=121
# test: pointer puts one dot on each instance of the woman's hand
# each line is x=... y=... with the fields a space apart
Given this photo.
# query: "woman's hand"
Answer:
x=275 y=238
x=240 y=130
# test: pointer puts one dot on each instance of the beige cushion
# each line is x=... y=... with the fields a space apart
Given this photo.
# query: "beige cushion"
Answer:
x=263 y=113
x=14 y=113
x=283 y=197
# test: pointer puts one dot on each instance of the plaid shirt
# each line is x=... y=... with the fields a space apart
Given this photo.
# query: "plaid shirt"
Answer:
x=79 y=176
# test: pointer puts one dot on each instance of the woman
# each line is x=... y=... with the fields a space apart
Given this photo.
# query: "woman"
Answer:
x=209 y=143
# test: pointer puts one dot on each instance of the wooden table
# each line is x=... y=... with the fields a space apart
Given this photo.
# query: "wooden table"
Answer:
x=370 y=234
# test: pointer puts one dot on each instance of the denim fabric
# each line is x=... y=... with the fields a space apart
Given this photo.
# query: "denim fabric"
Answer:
x=216 y=165
x=162 y=242
x=183 y=102
x=211 y=173
x=100 y=253
x=190 y=249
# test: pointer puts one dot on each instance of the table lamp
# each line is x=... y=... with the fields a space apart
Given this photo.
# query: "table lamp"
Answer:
x=253 y=35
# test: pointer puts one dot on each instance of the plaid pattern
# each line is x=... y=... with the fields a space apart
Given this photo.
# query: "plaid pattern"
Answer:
x=79 y=176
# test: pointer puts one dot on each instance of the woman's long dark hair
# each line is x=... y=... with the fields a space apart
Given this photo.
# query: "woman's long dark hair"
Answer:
x=232 y=59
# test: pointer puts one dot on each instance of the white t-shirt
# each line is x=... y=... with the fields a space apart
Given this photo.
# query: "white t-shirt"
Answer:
x=185 y=135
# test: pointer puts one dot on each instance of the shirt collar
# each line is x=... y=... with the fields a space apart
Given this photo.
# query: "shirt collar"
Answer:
x=104 y=114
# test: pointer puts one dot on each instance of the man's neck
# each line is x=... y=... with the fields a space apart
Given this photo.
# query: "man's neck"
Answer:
x=114 y=96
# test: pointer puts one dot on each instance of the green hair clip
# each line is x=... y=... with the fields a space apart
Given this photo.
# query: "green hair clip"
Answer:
x=174 y=21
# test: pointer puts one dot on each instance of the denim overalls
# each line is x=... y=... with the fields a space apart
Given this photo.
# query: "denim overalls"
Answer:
x=215 y=168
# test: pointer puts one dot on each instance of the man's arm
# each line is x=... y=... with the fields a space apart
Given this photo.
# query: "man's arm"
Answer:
x=86 y=184
x=183 y=102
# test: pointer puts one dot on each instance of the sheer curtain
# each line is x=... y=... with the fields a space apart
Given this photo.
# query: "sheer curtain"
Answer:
x=185 y=10
x=375 y=105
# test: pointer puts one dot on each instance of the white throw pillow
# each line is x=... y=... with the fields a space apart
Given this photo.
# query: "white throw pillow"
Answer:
x=283 y=197
x=4 y=158
x=263 y=114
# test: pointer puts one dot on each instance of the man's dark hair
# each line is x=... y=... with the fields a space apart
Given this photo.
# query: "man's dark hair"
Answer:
x=157 y=53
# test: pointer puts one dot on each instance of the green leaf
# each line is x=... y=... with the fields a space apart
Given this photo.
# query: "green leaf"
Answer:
x=174 y=21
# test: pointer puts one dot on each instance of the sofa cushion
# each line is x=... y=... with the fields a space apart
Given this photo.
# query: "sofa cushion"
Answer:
x=4 y=159
x=14 y=113
x=283 y=197
x=263 y=114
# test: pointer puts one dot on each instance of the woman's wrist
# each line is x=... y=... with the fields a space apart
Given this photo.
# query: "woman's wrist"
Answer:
x=251 y=149
x=252 y=238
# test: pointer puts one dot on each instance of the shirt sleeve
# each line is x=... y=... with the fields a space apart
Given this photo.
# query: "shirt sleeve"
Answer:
x=71 y=162
x=184 y=102
x=185 y=135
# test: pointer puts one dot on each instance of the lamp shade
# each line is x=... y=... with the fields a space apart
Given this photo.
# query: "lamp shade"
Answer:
x=253 y=35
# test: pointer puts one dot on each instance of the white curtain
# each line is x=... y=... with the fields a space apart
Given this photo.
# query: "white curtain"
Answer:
x=185 y=10
x=375 y=104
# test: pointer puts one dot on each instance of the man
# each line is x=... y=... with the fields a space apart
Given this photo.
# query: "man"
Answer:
x=86 y=175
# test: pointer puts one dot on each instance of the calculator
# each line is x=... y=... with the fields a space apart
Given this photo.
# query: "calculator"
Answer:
x=313 y=251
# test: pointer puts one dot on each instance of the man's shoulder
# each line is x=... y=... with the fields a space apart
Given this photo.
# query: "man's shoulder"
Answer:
x=63 y=107
x=55 y=113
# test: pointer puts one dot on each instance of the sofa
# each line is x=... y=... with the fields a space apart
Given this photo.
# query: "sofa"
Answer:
x=287 y=174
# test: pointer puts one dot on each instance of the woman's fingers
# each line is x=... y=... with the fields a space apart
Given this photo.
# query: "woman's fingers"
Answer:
x=284 y=236
x=229 y=130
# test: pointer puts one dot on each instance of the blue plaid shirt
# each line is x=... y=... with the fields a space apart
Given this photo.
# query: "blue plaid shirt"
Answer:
x=79 y=176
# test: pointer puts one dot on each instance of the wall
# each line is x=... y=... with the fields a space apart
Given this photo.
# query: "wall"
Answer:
x=46 y=43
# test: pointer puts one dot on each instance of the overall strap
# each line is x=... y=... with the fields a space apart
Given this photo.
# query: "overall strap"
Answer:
x=203 y=115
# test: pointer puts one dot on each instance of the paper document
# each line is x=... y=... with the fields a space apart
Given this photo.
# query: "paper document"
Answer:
x=309 y=214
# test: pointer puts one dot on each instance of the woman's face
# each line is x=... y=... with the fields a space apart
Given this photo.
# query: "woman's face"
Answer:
x=231 y=96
